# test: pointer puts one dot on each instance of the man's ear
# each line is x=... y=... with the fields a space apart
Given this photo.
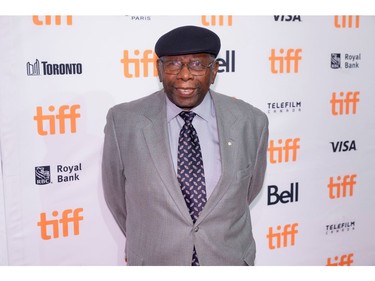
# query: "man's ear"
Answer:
x=214 y=72
x=160 y=70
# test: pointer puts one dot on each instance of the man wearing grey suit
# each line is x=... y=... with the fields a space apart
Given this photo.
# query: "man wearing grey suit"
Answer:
x=180 y=185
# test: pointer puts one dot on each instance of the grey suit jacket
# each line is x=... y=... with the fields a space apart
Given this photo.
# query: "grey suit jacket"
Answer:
x=143 y=194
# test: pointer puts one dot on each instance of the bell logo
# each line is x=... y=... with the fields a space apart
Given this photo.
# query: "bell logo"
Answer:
x=284 y=197
x=344 y=103
x=344 y=260
x=132 y=66
x=347 y=21
x=342 y=186
x=65 y=112
x=229 y=63
x=283 y=152
x=281 y=62
x=49 y=20
x=281 y=236
x=51 y=228
x=214 y=19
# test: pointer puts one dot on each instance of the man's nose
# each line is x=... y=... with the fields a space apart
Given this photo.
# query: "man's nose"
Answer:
x=185 y=73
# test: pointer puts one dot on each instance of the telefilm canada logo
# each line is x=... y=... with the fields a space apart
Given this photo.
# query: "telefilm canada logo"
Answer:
x=62 y=173
x=345 y=60
x=340 y=227
x=41 y=68
x=284 y=107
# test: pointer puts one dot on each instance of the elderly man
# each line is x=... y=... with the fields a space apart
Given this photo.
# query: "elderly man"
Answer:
x=181 y=166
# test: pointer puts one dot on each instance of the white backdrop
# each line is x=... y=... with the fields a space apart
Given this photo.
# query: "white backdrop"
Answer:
x=313 y=76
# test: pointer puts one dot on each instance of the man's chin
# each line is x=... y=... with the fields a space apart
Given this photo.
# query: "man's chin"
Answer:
x=185 y=106
x=186 y=100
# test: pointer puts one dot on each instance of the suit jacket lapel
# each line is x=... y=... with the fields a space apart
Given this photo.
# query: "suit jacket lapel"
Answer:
x=226 y=124
x=157 y=139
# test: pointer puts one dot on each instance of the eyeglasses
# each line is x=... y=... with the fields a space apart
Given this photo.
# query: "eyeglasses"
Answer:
x=196 y=68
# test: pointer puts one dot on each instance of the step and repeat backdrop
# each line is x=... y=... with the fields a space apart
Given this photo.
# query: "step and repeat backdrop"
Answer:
x=312 y=75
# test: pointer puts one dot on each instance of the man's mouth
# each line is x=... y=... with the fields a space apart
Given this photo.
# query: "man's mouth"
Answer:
x=186 y=91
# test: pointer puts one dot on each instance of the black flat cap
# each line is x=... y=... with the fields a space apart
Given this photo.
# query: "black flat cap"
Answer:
x=188 y=40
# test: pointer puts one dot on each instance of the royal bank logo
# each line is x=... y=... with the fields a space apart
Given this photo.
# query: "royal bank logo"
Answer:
x=284 y=107
x=42 y=175
x=62 y=173
x=339 y=227
x=335 y=60
x=68 y=173
x=39 y=68
x=345 y=60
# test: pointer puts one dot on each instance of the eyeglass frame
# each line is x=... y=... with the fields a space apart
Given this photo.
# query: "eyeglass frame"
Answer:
x=187 y=65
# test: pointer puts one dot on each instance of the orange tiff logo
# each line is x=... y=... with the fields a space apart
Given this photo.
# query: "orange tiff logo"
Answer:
x=347 y=21
x=49 y=20
x=344 y=103
x=344 y=260
x=283 y=151
x=65 y=112
x=282 y=237
x=133 y=65
x=284 y=62
x=342 y=186
x=52 y=228
x=213 y=20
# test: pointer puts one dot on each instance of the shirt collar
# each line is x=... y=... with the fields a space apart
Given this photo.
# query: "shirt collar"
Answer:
x=204 y=110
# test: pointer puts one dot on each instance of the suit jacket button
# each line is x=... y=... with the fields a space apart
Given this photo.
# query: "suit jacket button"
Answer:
x=196 y=229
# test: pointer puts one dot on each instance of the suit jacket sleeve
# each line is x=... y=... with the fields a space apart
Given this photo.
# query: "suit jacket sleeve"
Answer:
x=113 y=174
x=260 y=166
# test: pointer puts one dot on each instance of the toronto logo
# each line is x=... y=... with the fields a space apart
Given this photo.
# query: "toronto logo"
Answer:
x=39 y=68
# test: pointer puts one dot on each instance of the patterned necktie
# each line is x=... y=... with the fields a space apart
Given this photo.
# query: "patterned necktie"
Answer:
x=190 y=172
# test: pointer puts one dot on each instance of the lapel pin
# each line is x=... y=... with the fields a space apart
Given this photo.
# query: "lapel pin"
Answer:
x=229 y=143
